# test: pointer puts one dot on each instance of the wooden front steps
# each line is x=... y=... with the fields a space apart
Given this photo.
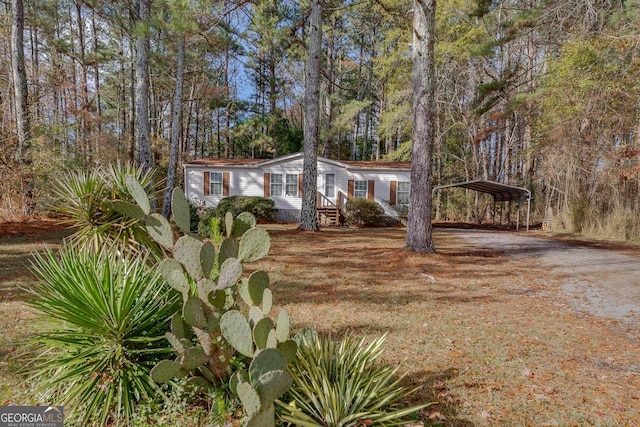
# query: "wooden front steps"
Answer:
x=328 y=215
x=328 y=212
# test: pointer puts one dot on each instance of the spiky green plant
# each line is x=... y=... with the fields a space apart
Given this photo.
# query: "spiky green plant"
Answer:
x=91 y=202
x=342 y=384
x=104 y=319
x=211 y=326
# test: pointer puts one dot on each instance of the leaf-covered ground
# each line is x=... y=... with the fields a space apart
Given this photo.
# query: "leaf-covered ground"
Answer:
x=477 y=332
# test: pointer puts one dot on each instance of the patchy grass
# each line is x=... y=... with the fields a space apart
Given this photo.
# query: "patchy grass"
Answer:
x=477 y=332
x=18 y=240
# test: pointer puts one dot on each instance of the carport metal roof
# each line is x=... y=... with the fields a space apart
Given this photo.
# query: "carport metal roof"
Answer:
x=500 y=192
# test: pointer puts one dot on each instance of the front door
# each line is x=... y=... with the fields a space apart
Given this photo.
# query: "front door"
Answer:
x=330 y=186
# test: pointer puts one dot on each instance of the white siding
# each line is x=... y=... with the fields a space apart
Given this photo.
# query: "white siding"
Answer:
x=382 y=186
x=242 y=182
x=291 y=167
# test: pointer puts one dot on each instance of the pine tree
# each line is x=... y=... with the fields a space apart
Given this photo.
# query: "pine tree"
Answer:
x=419 y=228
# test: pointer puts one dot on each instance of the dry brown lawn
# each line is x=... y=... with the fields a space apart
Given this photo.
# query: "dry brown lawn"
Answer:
x=477 y=332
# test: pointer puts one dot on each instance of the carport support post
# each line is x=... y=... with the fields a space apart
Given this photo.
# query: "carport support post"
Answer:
x=528 y=209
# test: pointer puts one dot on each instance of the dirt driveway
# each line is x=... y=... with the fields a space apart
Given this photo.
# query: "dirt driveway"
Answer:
x=603 y=282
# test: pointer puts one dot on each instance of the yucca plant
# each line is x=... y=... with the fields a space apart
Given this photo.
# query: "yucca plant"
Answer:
x=89 y=202
x=104 y=320
x=342 y=384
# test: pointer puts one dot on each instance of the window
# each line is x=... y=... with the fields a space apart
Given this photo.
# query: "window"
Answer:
x=360 y=190
x=330 y=185
x=215 y=188
x=291 y=189
x=403 y=193
x=276 y=184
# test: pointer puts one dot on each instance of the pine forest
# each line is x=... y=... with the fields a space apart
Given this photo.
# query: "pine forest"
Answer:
x=542 y=94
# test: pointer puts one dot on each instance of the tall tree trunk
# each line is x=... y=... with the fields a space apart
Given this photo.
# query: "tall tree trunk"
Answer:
x=142 y=90
x=419 y=228
x=176 y=121
x=186 y=131
x=96 y=71
x=308 y=218
x=132 y=96
x=328 y=103
x=23 y=124
x=85 y=112
x=35 y=60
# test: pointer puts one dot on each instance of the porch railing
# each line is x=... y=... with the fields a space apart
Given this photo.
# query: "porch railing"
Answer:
x=323 y=202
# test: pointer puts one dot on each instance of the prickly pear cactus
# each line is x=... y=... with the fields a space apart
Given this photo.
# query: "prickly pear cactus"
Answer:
x=212 y=326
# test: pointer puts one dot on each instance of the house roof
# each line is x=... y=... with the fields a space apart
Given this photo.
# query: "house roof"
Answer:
x=224 y=162
x=377 y=164
x=348 y=164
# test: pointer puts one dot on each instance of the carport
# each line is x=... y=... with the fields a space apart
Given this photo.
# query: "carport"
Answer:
x=500 y=192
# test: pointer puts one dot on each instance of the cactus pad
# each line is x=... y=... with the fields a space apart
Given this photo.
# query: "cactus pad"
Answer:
x=179 y=282
x=128 y=209
x=288 y=349
x=218 y=299
x=228 y=223
x=243 y=222
x=187 y=252
x=165 y=371
x=255 y=315
x=266 y=360
x=237 y=377
x=228 y=249
x=137 y=192
x=205 y=287
x=254 y=244
x=272 y=385
x=178 y=328
x=196 y=383
x=261 y=332
x=159 y=229
x=249 y=398
x=283 y=326
x=267 y=302
x=258 y=282
x=175 y=342
x=230 y=272
x=193 y=357
x=193 y=313
x=237 y=331
x=204 y=338
x=207 y=258
x=213 y=322
x=272 y=341
x=264 y=418
x=180 y=210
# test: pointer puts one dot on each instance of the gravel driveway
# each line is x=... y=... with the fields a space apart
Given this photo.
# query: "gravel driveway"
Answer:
x=599 y=281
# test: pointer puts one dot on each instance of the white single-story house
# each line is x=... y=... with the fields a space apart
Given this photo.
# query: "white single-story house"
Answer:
x=210 y=180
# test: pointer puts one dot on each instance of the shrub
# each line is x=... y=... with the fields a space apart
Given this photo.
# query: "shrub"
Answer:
x=194 y=213
x=364 y=212
x=340 y=384
x=262 y=208
x=106 y=318
x=86 y=201
x=209 y=218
